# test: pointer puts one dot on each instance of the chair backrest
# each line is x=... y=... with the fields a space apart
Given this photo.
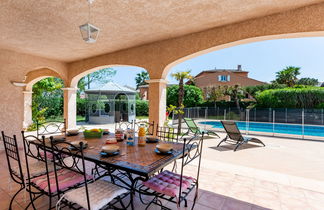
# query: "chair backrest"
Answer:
x=13 y=158
x=167 y=134
x=149 y=126
x=36 y=149
x=192 y=149
x=51 y=127
x=33 y=147
x=124 y=125
x=192 y=126
x=232 y=130
x=70 y=157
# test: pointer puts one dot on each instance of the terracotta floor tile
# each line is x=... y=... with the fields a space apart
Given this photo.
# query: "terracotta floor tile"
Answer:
x=233 y=204
x=255 y=207
x=211 y=200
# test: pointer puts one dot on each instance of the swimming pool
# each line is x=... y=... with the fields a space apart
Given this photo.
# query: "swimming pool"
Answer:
x=309 y=130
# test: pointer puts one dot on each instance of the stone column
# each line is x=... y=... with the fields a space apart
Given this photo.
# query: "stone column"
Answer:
x=27 y=109
x=157 y=100
x=70 y=107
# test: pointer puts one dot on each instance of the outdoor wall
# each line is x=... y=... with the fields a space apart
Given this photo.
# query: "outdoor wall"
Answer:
x=157 y=58
x=14 y=66
x=211 y=79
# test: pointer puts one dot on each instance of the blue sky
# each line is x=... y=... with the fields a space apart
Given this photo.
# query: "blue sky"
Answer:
x=261 y=59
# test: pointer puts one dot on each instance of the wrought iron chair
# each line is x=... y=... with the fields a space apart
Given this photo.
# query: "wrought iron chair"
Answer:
x=150 y=127
x=124 y=125
x=235 y=137
x=195 y=130
x=167 y=134
x=174 y=187
x=92 y=194
x=50 y=128
x=14 y=163
x=44 y=184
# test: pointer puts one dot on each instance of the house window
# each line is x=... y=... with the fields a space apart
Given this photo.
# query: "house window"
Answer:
x=224 y=78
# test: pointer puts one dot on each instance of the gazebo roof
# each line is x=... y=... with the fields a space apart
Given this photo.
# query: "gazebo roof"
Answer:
x=113 y=88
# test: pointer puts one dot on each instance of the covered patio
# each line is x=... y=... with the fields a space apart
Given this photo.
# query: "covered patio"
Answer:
x=42 y=39
x=236 y=181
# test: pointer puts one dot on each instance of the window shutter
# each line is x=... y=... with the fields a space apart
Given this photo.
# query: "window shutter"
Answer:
x=228 y=78
x=219 y=78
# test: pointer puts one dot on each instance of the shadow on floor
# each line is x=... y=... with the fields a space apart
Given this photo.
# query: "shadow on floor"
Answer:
x=229 y=147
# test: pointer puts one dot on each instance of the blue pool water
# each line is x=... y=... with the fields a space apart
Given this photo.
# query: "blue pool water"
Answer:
x=309 y=130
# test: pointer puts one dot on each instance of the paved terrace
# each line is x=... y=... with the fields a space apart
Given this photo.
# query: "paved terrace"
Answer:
x=286 y=174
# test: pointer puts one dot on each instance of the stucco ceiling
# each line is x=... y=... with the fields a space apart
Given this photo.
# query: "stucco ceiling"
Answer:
x=50 y=28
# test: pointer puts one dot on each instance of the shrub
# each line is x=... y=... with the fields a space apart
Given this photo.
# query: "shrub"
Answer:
x=320 y=106
x=309 y=97
x=252 y=90
x=82 y=104
x=142 y=108
x=193 y=95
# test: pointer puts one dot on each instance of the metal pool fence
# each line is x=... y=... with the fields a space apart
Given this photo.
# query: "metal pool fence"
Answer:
x=298 y=123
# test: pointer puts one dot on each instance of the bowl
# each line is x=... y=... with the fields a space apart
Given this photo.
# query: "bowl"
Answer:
x=164 y=147
x=77 y=143
x=151 y=137
x=73 y=131
x=110 y=148
x=58 y=137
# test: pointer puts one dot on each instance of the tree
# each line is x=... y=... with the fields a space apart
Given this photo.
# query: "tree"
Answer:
x=47 y=98
x=288 y=76
x=236 y=93
x=308 y=81
x=193 y=96
x=141 y=77
x=214 y=93
x=181 y=77
x=99 y=77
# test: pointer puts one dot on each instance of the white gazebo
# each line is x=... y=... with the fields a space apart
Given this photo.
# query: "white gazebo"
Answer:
x=111 y=103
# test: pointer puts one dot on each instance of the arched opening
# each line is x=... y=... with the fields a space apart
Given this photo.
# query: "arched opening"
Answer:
x=108 y=94
x=43 y=97
x=46 y=101
x=282 y=123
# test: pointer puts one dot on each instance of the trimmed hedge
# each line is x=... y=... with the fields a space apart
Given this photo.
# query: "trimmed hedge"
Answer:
x=142 y=108
x=309 y=97
x=253 y=90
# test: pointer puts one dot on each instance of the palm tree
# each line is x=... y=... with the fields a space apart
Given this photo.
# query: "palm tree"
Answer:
x=181 y=76
x=236 y=93
x=288 y=76
x=141 y=77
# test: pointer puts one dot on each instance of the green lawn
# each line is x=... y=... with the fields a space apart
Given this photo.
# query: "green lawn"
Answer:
x=79 y=118
x=141 y=117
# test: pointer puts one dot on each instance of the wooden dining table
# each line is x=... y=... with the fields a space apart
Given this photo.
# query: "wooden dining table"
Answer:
x=141 y=161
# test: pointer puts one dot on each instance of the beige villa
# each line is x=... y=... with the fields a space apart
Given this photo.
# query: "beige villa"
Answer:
x=225 y=77
x=40 y=39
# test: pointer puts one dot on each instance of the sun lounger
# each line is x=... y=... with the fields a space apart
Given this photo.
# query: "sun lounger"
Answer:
x=235 y=137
